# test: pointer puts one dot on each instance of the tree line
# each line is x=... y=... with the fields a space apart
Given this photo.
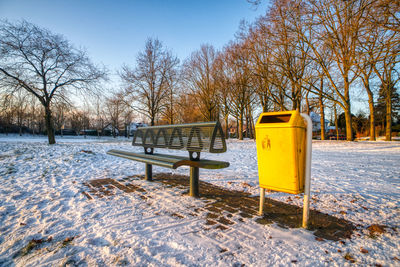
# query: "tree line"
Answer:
x=310 y=55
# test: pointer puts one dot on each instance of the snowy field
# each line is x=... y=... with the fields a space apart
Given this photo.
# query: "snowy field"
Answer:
x=46 y=219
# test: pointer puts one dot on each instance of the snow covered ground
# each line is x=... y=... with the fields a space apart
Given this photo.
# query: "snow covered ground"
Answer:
x=46 y=220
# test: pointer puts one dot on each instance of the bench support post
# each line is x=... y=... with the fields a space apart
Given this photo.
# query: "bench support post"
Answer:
x=194 y=182
x=262 y=202
x=149 y=172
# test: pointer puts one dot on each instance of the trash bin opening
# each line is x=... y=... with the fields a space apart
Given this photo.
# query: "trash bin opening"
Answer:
x=275 y=118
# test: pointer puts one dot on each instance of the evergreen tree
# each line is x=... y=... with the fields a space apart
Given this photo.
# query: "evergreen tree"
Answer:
x=381 y=107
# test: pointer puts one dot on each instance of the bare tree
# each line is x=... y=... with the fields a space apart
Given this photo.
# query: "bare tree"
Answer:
x=173 y=81
x=199 y=75
x=223 y=85
x=336 y=26
x=60 y=111
x=325 y=46
x=14 y=109
x=319 y=87
x=241 y=94
x=150 y=83
x=79 y=121
x=289 y=50
x=389 y=77
x=186 y=111
x=115 y=108
x=374 y=46
x=98 y=106
x=386 y=14
x=261 y=62
x=33 y=114
x=267 y=76
x=44 y=64
x=7 y=112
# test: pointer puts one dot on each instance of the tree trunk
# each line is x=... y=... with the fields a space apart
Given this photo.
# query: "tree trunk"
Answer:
x=347 y=112
x=49 y=125
x=252 y=135
x=388 y=115
x=247 y=125
x=336 y=122
x=349 y=129
x=237 y=128
x=226 y=127
x=171 y=107
x=241 y=127
x=264 y=104
x=372 y=135
x=114 y=131
x=307 y=103
x=84 y=130
x=251 y=128
x=322 y=119
x=294 y=102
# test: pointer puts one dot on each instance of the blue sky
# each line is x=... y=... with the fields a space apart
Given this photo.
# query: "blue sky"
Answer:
x=113 y=32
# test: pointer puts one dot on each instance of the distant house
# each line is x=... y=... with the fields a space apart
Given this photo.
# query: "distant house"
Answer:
x=108 y=130
x=316 y=121
x=88 y=132
x=67 y=131
x=132 y=127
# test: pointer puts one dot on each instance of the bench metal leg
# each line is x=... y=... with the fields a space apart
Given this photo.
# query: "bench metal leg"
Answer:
x=149 y=172
x=194 y=182
x=262 y=201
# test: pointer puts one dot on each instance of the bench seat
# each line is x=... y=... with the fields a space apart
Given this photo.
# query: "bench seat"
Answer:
x=195 y=138
x=169 y=161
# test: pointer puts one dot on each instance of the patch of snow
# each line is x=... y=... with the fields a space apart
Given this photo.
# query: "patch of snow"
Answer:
x=41 y=199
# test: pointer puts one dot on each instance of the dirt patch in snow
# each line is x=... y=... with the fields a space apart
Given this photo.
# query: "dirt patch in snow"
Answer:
x=224 y=207
x=376 y=229
x=107 y=187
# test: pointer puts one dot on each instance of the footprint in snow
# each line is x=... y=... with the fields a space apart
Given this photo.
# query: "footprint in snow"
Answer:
x=99 y=242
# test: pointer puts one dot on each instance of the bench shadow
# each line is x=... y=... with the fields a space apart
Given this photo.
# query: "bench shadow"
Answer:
x=225 y=207
x=222 y=204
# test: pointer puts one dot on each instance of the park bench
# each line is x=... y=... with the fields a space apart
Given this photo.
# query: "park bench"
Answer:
x=192 y=137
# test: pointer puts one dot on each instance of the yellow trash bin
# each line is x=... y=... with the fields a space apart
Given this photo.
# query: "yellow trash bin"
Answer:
x=281 y=151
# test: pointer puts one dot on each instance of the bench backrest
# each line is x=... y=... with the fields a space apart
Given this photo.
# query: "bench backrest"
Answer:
x=192 y=137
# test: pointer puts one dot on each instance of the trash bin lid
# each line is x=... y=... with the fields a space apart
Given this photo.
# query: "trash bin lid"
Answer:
x=281 y=119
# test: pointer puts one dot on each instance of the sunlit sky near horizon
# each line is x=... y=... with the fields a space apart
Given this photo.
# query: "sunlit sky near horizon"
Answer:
x=113 y=32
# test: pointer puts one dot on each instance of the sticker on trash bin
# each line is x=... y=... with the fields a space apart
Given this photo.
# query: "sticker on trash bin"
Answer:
x=266 y=143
